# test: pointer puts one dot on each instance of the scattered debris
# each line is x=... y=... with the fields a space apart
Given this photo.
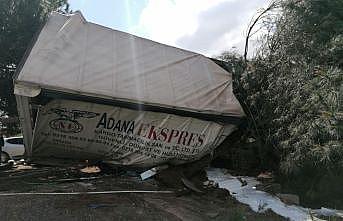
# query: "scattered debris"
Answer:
x=265 y=177
x=24 y=167
x=272 y=188
x=58 y=181
x=61 y=189
x=91 y=169
x=210 y=184
x=328 y=212
x=243 y=182
x=261 y=201
x=190 y=185
x=267 y=183
x=152 y=172
x=290 y=199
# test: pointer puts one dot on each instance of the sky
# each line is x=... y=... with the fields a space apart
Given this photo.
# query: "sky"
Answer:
x=207 y=27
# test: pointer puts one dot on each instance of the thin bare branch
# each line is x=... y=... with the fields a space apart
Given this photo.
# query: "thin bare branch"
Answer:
x=273 y=5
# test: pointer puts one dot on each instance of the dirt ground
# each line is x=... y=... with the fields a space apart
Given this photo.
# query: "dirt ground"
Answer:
x=181 y=204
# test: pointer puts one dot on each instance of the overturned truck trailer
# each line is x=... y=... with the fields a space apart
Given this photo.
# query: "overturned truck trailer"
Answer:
x=85 y=91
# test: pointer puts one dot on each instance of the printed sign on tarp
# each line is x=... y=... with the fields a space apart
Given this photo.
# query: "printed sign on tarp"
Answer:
x=81 y=130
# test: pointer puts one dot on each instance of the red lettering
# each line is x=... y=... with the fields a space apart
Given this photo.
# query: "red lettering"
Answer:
x=172 y=134
x=152 y=133
x=142 y=128
x=164 y=134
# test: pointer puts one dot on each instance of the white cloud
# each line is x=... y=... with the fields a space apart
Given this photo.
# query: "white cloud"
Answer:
x=204 y=26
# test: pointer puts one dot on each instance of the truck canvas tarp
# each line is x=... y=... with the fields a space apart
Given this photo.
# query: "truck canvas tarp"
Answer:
x=85 y=91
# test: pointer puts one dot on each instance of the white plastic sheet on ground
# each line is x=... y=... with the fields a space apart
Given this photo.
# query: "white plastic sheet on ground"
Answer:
x=260 y=201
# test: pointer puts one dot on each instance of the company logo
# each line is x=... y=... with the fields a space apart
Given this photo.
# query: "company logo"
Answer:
x=67 y=120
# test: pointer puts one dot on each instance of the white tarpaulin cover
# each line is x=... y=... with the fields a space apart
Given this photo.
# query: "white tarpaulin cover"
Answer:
x=82 y=130
x=76 y=56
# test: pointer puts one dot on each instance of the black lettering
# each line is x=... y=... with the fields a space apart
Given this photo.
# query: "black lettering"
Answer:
x=201 y=139
x=117 y=127
x=110 y=123
x=125 y=125
x=131 y=128
x=102 y=121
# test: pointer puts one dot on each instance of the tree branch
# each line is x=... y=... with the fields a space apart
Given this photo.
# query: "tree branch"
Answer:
x=270 y=7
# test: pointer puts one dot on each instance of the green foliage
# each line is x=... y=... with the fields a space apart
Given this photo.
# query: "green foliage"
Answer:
x=292 y=92
x=299 y=80
x=19 y=21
